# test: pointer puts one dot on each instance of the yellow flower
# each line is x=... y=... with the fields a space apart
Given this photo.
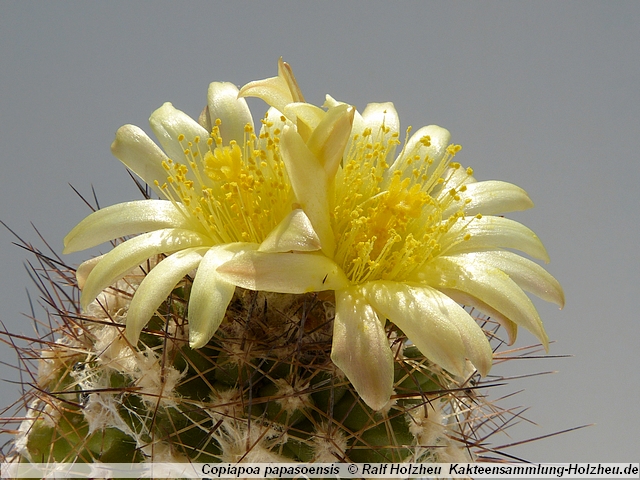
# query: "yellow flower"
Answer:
x=224 y=191
x=414 y=235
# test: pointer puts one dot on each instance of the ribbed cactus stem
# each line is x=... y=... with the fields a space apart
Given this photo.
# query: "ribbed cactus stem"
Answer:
x=263 y=389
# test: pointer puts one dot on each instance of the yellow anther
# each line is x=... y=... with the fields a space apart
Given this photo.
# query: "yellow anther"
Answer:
x=453 y=149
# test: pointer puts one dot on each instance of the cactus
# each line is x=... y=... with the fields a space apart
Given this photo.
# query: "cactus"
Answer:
x=262 y=390
x=164 y=364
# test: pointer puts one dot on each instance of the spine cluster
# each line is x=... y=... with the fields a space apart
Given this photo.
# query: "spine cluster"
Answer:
x=263 y=389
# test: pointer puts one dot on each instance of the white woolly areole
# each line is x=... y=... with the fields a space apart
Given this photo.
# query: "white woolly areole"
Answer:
x=454 y=453
x=329 y=443
x=53 y=360
x=156 y=382
x=162 y=452
x=101 y=412
x=239 y=442
x=426 y=424
x=289 y=398
x=22 y=437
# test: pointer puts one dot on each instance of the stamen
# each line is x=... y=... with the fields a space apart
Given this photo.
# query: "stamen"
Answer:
x=389 y=222
x=237 y=193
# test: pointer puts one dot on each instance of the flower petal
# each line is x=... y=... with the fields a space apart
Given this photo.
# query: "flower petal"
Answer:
x=491 y=233
x=491 y=197
x=429 y=142
x=441 y=329
x=358 y=123
x=489 y=285
x=156 y=287
x=463 y=298
x=128 y=218
x=168 y=123
x=529 y=276
x=361 y=348
x=232 y=111
x=85 y=268
x=275 y=91
x=309 y=182
x=294 y=233
x=330 y=137
x=384 y=123
x=210 y=296
x=275 y=121
x=133 y=147
x=305 y=116
x=283 y=272
x=133 y=252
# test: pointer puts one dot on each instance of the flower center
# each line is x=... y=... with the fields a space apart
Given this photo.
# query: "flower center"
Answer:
x=238 y=193
x=388 y=220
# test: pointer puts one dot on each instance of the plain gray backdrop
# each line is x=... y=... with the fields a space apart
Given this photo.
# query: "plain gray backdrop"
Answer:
x=541 y=94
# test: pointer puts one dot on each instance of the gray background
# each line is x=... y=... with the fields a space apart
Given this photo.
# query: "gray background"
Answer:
x=542 y=94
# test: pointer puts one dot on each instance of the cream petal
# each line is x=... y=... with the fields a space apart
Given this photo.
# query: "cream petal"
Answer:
x=310 y=184
x=331 y=102
x=476 y=344
x=306 y=113
x=417 y=146
x=377 y=116
x=210 y=296
x=156 y=287
x=488 y=233
x=283 y=272
x=453 y=178
x=357 y=125
x=491 y=197
x=441 y=329
x=361 y=349
x=277 y=91
x=133 y=252
x=285 y=71
x=85 y=268
x=232 y=111
x=294 y=233
x=529 y=276
x=329 y=139
x=124 y=219
x=464 y=299
x=168 y=123
x=274 y=91
x=204 y=119
x=133 y=147
x=489 y=285
x=276 y=121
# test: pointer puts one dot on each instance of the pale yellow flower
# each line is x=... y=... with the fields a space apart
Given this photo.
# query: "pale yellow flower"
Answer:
x=224 y=191
x=414 y=235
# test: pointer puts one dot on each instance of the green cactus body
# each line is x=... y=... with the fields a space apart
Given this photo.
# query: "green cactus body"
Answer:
x=263 y=390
